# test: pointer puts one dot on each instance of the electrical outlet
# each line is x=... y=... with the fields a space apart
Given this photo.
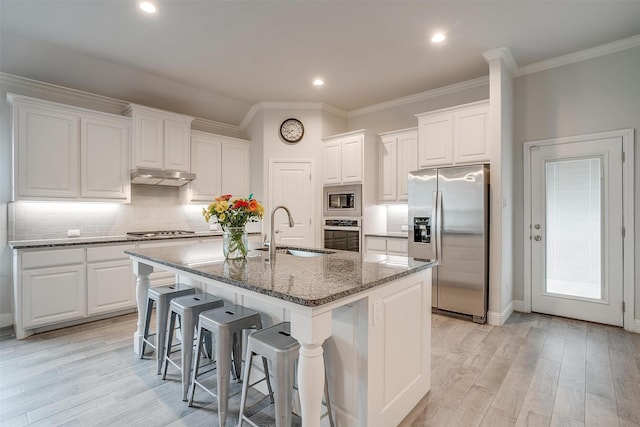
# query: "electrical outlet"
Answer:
x=73 y=233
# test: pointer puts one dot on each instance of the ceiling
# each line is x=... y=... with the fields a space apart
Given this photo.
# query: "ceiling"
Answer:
x=245 y=52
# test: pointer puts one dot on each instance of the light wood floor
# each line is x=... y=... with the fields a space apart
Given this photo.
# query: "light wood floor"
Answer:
x=536 y=370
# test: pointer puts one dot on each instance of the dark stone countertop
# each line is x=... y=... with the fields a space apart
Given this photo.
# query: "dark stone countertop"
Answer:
x=391 y=234
x=308 y=281
x=103 y=240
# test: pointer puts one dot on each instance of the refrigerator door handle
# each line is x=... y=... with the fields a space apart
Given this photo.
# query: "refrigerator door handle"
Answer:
x=438 y=205
x=434 y=225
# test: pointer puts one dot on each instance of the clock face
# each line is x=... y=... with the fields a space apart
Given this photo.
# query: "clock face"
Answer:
x=291 y=130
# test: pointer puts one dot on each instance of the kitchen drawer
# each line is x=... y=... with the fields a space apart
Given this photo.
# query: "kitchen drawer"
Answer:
x=106 y=253
x=397 y=246
x=52 y=258
x=376 y=244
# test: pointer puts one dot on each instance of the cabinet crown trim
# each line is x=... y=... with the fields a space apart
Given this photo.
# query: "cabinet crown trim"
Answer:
x=131 y=108
x=395 y=132
x=454 y=108
x=13 y=98
x=350 y=133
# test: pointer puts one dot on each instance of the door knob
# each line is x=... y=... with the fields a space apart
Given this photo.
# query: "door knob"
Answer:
x=536 y=226
x=537 y=238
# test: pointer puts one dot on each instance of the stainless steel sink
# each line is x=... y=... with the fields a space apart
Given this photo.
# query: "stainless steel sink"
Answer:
x=285 y=250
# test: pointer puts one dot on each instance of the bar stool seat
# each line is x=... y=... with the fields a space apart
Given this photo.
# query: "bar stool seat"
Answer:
x=188 y=308
x=225 y=325
x=161 y=296
x=277 y=345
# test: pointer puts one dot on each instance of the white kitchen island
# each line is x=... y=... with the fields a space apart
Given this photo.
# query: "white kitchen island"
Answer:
x=369 y=316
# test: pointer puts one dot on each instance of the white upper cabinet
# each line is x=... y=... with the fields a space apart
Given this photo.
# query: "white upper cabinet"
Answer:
x=397 y=156
x=454 y=136
x=206 y=160
x=221 y=165
x=387 y=157
x=471 y=133
x=47 y=144
x=104 y=163
x=343 y=157
x=332 y=162
x=160 y=139
x=236 y=159
x=68 y=153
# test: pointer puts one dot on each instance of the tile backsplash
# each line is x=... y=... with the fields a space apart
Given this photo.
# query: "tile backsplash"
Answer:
x=397 y=218
x=151 y=208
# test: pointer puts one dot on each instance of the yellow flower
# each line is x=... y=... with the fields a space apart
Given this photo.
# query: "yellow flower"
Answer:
x=221 y=217
x=221 y=206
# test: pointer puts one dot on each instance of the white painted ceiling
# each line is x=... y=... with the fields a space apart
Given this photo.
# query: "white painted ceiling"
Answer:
x=250 y=51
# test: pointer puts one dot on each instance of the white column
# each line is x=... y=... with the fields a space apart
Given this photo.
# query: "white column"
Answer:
x=142 y=272
x=311 y=331
x=502 y=68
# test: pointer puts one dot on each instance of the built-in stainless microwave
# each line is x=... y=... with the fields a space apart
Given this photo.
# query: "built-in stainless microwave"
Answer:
x=343 y=200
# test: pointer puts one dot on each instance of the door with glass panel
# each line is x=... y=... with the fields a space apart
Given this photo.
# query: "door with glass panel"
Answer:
x=576 y=230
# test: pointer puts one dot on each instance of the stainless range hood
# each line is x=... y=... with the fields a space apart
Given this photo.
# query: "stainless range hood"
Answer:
x=161 y=177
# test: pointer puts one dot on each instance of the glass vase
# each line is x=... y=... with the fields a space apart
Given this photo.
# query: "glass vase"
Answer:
x=235 y=242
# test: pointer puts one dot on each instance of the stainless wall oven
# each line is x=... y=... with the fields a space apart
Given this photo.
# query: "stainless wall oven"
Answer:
x=343 y=200
x=342 y=233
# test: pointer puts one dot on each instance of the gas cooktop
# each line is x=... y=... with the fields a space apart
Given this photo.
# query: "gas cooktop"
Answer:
x=161 y=233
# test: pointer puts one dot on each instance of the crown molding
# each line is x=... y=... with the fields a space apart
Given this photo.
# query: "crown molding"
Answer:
x=276 y=105
x=504 y=55
x=581 y=55
x=98 y=102
x=433 y=93
x=18 y=84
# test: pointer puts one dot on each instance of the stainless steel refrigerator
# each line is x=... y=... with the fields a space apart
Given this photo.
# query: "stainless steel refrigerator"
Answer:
x=449 y=221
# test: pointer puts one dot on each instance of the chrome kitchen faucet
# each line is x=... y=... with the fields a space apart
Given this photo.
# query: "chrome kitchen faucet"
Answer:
x=272 y=243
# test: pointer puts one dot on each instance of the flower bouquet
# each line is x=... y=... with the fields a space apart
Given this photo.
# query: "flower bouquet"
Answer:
x=233 y=214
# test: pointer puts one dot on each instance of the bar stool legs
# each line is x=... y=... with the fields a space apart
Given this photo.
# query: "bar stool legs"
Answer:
x=189 y=309
x=277 y=345
x=226 y=325
x=161 y=296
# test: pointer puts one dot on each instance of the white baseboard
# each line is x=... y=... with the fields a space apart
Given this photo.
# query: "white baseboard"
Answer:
x=6 y=319
x=497 y=319
x=635 y=326
x=518 y=305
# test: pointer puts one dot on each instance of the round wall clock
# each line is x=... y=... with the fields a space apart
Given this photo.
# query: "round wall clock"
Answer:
x=291 y=130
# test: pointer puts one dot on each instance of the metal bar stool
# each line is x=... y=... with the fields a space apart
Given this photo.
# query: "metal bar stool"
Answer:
x=188 y=308
x=277 y=345
x=225 y=325
x=162 y=296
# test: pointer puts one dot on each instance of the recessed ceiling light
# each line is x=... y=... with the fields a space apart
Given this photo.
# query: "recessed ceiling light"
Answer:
x=318 y=82
x=147 y=6
x=438 y=37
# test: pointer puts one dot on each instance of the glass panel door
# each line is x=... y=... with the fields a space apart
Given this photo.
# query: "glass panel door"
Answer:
x=574 y=227
x=576 y=230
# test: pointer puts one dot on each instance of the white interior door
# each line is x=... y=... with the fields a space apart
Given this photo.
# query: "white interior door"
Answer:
x=291 y=187
x=577 y=230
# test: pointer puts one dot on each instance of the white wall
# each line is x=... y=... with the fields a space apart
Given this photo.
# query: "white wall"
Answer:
x=273 y=148
x=595 y=95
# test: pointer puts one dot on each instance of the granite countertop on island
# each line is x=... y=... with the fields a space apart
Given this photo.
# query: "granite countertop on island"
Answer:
x=308 y=281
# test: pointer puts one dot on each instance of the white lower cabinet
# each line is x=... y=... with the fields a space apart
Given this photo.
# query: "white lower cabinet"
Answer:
x=387 y=245
x=397 y=247
x=53 y=287
x=111 y=283
x=376 y=245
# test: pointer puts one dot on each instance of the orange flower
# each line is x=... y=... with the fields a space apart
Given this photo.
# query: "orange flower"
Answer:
x=253 y=205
